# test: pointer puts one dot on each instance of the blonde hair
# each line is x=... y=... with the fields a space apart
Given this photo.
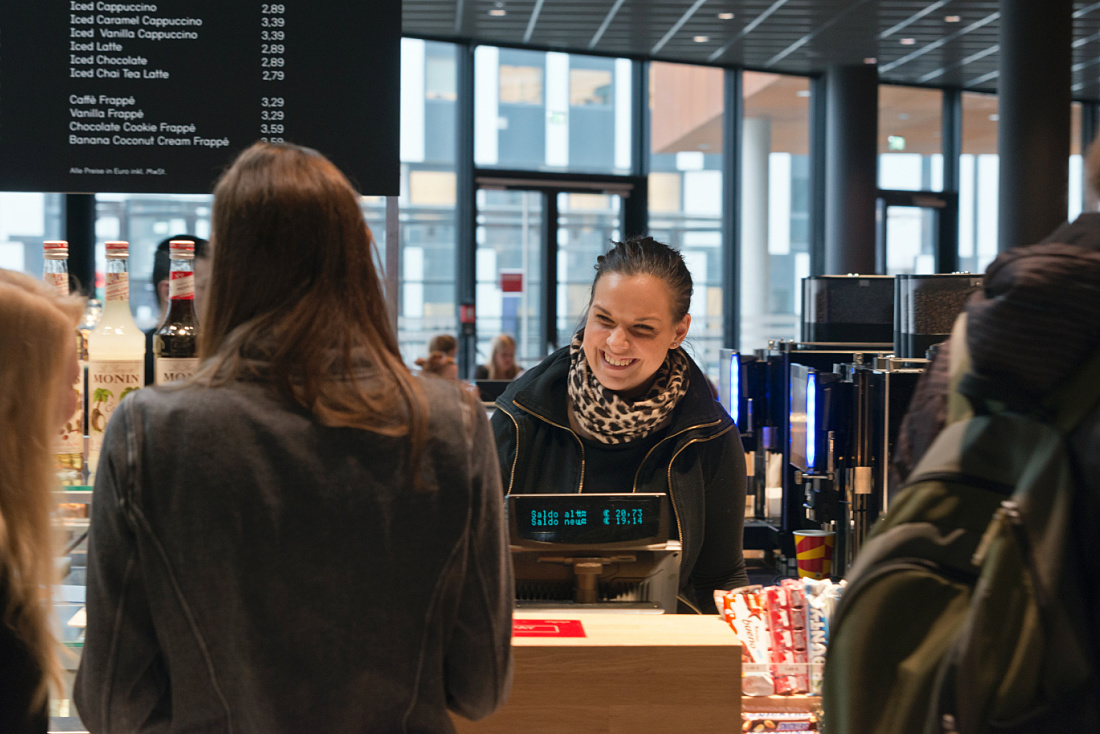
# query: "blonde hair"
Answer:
x=295 y=301
x=37 y=335
x=500 y=342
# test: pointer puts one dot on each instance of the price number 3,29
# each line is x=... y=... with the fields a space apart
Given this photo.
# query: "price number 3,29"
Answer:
x=272 y=114
x=273 y=46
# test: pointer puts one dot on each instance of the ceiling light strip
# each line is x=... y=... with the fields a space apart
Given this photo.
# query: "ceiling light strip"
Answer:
x=679 y=24
x=939 y=42
x=746 y=30
x=1084 y=65
x=1085 y=11
x=810 y=36
x=534 y=19
x=1086 y=40
x=983 y=78
x=911 y=20
x=962 y=62
x=606 y=22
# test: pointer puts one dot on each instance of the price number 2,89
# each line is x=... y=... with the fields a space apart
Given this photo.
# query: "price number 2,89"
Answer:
x=272 y=28
x=273 y=46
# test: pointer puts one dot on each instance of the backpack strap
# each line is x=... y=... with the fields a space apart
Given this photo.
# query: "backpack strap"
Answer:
x=1076 y=397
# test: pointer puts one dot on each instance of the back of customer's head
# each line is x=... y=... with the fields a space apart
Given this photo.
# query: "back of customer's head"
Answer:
x=294 y=297
x=37 y=340
x=443 y=343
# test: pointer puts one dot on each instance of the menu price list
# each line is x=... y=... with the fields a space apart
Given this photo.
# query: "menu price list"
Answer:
x=158 y=97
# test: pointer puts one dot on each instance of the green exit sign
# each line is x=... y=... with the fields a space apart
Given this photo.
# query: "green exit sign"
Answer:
x=895 y=142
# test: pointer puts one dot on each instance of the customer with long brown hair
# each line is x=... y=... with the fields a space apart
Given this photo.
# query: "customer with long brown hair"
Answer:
x=38 y=367
x=303 y=537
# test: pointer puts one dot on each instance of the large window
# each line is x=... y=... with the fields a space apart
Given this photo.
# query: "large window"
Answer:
x=978 y=182
x=775 y=197
x=910 y=138
x=426 y=304
x=26 y=219
x=685 y=188
x=144 y=220
x=551 y=111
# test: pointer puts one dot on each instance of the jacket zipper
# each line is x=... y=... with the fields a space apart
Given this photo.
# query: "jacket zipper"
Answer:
x=515 y=457
x=580 y=489
x=671 y=497
x=671 y=494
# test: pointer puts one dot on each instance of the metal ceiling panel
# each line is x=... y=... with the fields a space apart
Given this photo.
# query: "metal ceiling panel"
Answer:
x=942 y=43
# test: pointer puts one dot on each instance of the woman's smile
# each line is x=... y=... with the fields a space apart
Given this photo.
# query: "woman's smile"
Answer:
x=616 y=363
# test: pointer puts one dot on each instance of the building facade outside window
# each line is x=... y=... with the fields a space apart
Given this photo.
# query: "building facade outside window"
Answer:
x=978 y=182
x=775 y=201
x=910 y=158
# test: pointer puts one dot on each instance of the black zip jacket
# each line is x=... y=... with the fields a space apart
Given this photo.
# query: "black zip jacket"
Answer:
x=700 y=463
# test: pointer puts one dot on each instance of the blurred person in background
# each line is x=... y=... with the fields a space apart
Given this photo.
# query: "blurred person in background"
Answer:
x=322 y=547
x=438 y=364
x=162 y=270
x=38 y=366
x=444 y=343
x=502 y=360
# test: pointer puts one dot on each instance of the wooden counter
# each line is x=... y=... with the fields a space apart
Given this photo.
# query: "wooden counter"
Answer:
x=632 y=673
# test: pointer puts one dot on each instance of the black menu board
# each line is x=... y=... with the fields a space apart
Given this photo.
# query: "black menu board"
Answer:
x=159 y=96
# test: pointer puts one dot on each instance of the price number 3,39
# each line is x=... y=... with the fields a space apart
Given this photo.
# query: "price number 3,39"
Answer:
x=273 y=36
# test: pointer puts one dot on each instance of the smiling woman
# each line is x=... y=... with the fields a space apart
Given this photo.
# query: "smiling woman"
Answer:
x=624 y=409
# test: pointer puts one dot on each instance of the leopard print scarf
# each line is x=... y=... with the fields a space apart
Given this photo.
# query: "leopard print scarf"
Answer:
x=610 y=419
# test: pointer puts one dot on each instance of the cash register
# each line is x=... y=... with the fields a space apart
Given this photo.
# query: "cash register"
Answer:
x=593 y=552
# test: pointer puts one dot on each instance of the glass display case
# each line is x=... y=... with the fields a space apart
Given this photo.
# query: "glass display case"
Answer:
x=71 y=517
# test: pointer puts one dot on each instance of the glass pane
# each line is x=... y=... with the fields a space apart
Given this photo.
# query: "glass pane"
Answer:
x=910 y=138
x=978 y=182
x=587 y=224
x=509 y=272
x=1077 y=186
x=426 y=305
x=685 y=189
x=775 y=202
x=536 y=110
x=145 y=220
x=910 y=240
x=26 y=219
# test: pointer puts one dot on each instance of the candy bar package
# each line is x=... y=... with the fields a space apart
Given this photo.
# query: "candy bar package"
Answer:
x=745 y=613
x=790 y=722
x=821 y=599
x=784 y=632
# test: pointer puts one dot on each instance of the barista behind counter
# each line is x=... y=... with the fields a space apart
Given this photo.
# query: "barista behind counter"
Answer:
x=624 y=409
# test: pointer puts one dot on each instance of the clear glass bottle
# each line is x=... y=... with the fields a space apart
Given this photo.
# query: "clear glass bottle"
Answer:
x=70 y=437
x=116 y=353
x=174 y=342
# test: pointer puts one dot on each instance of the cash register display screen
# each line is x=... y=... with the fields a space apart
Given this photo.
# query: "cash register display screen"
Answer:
x=588 y=519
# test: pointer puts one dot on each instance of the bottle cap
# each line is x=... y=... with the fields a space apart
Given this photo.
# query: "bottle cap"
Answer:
x=181 y=249
x=118 y=249
x=56 y=249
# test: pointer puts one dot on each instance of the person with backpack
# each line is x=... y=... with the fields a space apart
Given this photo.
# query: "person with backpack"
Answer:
x=974 y=605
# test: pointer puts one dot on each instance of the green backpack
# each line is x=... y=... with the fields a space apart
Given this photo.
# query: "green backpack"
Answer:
x=963 y=612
